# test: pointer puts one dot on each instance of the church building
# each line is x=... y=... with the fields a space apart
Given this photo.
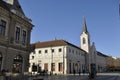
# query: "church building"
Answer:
x=15 y=32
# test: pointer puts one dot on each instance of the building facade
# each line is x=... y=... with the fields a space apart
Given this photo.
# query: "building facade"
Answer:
x=58 y=56
x=15 y=31
x=62 y=57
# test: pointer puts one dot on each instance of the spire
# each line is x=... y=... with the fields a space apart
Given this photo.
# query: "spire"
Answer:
x=84 y=26
x=15 y=5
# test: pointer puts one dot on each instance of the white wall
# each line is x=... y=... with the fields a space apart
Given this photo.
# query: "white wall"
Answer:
x=41 y=58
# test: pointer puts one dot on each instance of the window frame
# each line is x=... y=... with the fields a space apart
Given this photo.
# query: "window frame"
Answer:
x=24 y=37
x=3 y=25
x=17 y=33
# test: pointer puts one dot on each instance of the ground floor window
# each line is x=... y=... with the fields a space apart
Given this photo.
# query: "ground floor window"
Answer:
x=52 y=66
x=70 y=67
x=34 y=67
x=17 y=64
x=60 y=67
x=46 y=66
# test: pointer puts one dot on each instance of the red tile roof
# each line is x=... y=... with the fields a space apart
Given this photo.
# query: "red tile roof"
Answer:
x=52 y=44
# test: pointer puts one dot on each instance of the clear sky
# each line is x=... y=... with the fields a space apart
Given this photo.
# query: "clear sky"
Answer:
x=63 y=19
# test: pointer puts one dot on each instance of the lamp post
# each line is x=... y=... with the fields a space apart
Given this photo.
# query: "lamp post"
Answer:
x=63 y=59
x=51 y=61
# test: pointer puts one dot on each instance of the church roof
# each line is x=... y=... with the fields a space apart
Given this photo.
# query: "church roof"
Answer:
x=101 y=54
x=53 y=43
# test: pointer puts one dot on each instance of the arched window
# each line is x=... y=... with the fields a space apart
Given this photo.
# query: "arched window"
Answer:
x=84 y=41
x=17 y=64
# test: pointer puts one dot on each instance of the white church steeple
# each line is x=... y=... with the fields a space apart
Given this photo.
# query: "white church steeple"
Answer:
x=85 y=38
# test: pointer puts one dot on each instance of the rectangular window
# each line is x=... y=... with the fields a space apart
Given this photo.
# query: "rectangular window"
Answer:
x=46 y=66
x=32 y=57
x=46 y=51
x=76 y=52
x=60 y=50
x=34 y=67
x=60 y=67
x=2 y=27
x=39 y=51
x=24 y=37
x=70 y=50
x=17 y=36
x=52 y=50
x=34 y=52
x=53 y=67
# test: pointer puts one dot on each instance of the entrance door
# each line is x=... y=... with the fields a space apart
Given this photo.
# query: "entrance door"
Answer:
x=17 y=64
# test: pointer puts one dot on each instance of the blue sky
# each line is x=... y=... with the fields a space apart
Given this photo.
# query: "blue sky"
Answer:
x=63 y=19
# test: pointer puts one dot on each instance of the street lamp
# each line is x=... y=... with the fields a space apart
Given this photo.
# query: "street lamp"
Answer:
x=63 y=59
x=51 y=61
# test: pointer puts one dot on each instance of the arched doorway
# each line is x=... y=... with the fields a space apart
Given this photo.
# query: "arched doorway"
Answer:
x=17 y=64
x=1 y=60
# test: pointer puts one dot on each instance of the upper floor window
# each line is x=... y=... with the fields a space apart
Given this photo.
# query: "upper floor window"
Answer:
x=84 y=41
x=76 y=52
x=60 y=50
x=53 y=50
x=17 y=36
x=39 y=51
x=2 y=27
x=34 y=52
x=32 y=57
x=46 y=51
x=70 y=50
x=24 y=37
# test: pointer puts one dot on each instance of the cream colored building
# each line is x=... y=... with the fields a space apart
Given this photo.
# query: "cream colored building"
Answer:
x=57 y=56
x=15 y=31
x=62 y=57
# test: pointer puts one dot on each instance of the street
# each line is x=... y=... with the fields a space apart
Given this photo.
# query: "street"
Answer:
x=100 y=76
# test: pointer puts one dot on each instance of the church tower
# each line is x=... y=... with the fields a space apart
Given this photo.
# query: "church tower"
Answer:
x=85 y=37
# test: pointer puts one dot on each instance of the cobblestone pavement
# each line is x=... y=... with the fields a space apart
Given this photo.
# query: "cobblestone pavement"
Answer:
x=81 y=78
x=101 y=76
x=64 y=77
x=106 y=78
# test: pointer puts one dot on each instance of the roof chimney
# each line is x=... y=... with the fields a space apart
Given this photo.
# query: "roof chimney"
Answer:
x=10 y=2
